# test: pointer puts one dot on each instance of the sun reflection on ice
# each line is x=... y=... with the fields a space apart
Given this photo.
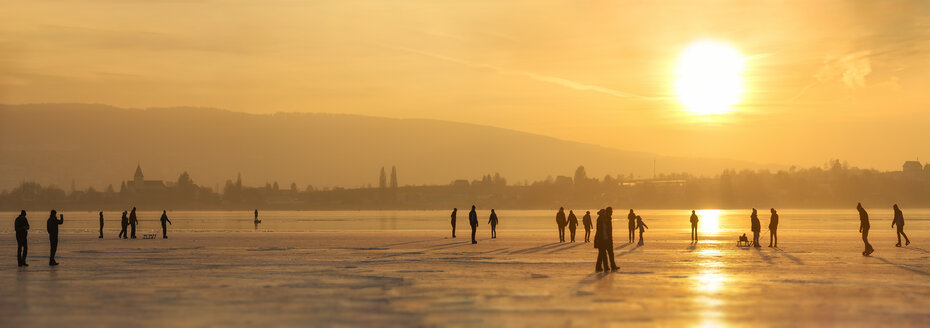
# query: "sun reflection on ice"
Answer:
x=709 y=221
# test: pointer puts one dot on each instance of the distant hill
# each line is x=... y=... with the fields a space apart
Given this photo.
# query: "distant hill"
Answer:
x=99 y=145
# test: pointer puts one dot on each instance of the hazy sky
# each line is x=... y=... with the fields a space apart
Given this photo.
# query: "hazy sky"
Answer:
x=821 y=79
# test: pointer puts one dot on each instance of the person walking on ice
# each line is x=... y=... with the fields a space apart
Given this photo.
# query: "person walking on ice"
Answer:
x=899 y=221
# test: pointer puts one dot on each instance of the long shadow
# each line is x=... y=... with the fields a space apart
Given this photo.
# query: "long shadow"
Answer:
x=495 y=251
x=622 y=246
x=766 y=258
x=408 y=242
x=629 y=251
x=796 y=260
x=903 y=267
x=563 y=248
x=592 y=278
x=917 y=249
x=535 y=248
x=453 y=245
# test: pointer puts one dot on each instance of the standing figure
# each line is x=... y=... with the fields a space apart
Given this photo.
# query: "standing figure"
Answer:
x=756 y=228
x=256 y=220
x=561 y=222
x=52 y=226
x=492 y=220
x=586 y=221
x=773 y=229
x=164 y=228
x=132 y=223
x=473 y=221
x=631 y=225
x=694 y=222
x=101 y=225
x=642 y=227
x=864 y=229
x=454 y=211
x=604 y=241
x=124 y=222
x=899 y=220
x=572 y=224
x=21 y=225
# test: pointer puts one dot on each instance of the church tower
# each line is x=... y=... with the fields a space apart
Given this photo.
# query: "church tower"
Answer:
x=138 y=179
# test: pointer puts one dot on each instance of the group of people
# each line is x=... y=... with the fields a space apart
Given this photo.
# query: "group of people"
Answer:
x=473 y=222
x=21 y=226
x=636 y=223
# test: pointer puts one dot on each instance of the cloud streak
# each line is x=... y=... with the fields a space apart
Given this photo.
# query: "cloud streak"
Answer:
x=535 y=76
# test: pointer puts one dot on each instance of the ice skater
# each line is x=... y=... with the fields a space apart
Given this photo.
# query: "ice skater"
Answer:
x=773 y=229
x=124 y=222
x=164 y=228
x=631 y=225
x=101 y=225
x=51 y=226
x=572 y=224
x=899 y=221
x=642 y=227
x=864 y=229
x=561 y=222
x=756 y=228
x=473 y=221
x=492 y=220
x=21 y=225
x=586 y=221
x=694 y=222
x=604 y=241
x=454 y=211
x=133 y=221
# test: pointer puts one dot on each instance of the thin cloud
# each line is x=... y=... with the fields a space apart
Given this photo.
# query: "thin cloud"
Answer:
x=535 y=76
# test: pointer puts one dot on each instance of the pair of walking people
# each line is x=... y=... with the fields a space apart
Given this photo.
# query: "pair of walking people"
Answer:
x=864 y=226
x=21 y=225
x=130 y=221
x=572 y=223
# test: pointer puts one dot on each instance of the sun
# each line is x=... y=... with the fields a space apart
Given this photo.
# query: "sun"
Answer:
x=709 y=78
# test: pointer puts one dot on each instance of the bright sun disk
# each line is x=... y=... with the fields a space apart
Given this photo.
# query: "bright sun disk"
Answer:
x=709 y=80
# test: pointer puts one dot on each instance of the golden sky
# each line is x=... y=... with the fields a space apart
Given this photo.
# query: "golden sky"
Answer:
x=820 y=79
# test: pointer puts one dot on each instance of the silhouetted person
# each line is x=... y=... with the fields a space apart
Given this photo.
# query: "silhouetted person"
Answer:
x=864 y=229
x=133 y=221
x=773 y=229
x=604 y=241
x=756 y=228
x=572 y=224
x=256 y=216
x=164 y=228
x=561 y=222
x=101 y=225
x=586 y=221
x=492 y=220
x=52 y=226
x=124 y=222
x=631 y=225
x=694 y=222
x=642 y=227
x=899 y=221
x=473 y=221
x=452 y=220
x=21 y=225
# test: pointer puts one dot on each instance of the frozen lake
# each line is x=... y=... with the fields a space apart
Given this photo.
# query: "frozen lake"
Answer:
x=712 y=221
x=337 y=269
